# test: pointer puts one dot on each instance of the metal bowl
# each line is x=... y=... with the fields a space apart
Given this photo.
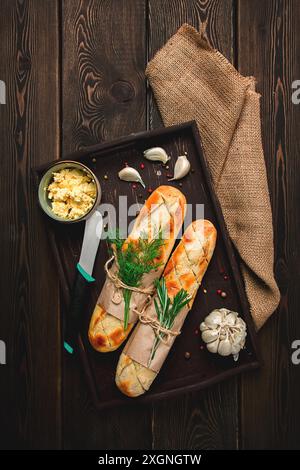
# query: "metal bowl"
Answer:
x=47 y=178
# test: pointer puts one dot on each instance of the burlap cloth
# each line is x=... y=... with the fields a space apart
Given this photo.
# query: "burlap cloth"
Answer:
x=190 y=81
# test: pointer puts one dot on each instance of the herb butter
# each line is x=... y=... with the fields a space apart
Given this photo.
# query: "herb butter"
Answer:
x=72 y=193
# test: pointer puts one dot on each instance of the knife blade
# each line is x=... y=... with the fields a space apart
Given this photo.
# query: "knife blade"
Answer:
x=83 y=279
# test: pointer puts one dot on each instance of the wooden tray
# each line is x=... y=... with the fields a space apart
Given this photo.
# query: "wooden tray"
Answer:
x=178 y=374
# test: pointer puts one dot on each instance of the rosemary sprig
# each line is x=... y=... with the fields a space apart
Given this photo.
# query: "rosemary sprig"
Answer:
x=166 y=310
x=135 y=260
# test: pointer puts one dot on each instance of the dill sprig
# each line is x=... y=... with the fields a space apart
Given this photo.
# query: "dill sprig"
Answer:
x=166 y=310
x=136 y=259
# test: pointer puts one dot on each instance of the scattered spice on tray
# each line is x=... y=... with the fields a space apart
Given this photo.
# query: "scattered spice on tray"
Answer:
x=223 y=295
x=187 y=355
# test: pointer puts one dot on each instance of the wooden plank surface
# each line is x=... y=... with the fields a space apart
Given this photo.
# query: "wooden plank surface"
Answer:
x=269 y=44
x=29 y=317
x=205 y=420
x=102 y=48
x=104 y=96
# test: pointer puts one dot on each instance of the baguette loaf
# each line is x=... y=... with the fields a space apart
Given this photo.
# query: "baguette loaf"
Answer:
x=184 y=270
x=165 y=208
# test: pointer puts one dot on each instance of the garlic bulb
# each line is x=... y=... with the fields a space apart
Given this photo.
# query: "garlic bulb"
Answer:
x=224 y=332
x=131 y=174
x=182 y=167
x=156 y=154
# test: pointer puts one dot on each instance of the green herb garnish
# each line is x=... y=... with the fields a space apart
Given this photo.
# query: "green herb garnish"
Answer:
x=137 y=259
x=166 y=310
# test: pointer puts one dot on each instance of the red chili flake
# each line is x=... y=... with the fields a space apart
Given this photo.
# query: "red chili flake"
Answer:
x=142 y=166
x=149 y=190
x=222 y=271
x=187 y=355
x=134 y=186
x=223 y=295
x=226 y=277
x=219 y=292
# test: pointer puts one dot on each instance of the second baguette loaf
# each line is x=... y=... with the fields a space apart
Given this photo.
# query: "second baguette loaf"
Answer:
x=184 y=270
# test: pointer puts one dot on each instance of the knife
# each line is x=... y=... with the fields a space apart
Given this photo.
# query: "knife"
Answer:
x=83 y=279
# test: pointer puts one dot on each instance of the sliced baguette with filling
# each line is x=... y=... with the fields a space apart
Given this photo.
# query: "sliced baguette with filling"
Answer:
x=165 y=208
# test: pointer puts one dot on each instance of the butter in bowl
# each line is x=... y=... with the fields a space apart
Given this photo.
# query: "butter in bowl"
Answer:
x=69 y=191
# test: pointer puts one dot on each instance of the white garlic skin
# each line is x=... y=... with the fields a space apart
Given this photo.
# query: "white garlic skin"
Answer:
x=209 y=335
x=182 y=167
x=224 y=348
x=224 y=332
x=157 y=154
x=131 y=174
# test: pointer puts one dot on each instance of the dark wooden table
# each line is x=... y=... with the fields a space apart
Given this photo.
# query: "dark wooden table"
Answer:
x=74 y=72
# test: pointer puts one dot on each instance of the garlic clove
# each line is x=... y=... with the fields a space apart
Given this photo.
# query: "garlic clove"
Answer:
x=224 y=348
x=213 y=347
x=210 y=335
x=240 y=323
x=214 y=319
x=203 y=326
x=182 y=167
x=156 y=154
x=235 y=348
x=131 y=174
x=231 y=318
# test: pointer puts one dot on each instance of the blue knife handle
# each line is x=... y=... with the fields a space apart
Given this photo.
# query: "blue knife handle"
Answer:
x=73 y=319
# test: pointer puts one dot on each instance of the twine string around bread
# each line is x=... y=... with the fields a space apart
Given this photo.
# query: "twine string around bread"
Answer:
x=143 y=317
x=119 y=284
x=155 y=324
